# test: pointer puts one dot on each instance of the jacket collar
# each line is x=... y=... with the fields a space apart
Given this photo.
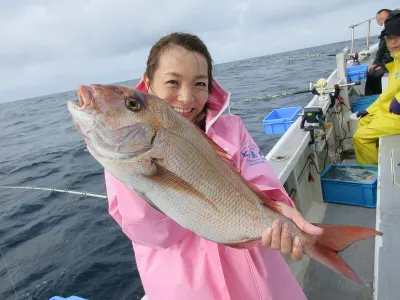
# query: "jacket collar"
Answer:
x=396 y=57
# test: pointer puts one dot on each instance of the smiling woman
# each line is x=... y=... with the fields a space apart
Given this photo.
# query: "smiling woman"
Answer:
x=174 y=262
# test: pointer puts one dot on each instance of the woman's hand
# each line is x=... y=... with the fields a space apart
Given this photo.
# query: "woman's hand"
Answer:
x=372 y=67
x=279 y=237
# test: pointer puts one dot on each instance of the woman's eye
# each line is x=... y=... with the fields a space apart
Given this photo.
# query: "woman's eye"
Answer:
x=201 y=84
x=172 y=82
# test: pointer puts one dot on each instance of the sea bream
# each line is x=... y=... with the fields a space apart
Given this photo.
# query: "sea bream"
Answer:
x=181 y=172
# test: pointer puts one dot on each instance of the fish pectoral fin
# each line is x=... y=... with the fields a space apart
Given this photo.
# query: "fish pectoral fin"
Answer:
x=148 y=166
x=171 y=178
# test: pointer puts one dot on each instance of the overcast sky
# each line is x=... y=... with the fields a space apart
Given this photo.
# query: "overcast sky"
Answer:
x=52 y=46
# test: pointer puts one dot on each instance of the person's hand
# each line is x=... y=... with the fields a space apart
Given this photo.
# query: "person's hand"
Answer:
x=279 y=237
x=361 y=113
x=394 y=107
x=372 y=67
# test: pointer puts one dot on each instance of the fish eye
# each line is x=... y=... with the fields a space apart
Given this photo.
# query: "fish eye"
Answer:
x=133 y=104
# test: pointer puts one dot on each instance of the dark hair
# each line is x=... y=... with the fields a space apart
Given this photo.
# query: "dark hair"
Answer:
x=394 y=15
x=382 y=10
x=188 y=41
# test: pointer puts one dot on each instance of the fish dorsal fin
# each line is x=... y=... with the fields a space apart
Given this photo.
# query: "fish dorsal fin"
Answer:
x=266 y=201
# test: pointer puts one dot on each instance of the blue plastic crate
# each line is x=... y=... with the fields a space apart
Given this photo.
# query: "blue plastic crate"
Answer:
x=280 y=119
x=349 y=191
x=362 y=103
x=356 y=73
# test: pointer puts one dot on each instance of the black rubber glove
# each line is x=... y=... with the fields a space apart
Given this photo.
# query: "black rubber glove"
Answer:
x=362 y=114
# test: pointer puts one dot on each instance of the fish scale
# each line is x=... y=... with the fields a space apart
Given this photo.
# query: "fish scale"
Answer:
x=226 y=198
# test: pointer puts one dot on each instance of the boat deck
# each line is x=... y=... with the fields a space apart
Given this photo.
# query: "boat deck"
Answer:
x=322 y=283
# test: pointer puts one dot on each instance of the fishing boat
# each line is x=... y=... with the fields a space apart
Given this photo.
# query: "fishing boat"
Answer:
x=317 y=139
x=303 y=156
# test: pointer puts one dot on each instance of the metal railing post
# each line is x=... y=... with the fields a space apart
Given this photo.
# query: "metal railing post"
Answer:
x=368 y=34
x=352 y=40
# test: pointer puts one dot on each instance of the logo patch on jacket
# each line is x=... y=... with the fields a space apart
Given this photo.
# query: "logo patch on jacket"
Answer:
x=252 y=154
x=396 y=75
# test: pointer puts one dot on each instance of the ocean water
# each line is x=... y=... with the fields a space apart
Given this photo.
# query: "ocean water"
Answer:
x=62 y=244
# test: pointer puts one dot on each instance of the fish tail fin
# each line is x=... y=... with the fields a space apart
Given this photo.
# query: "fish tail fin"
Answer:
x=334 y=239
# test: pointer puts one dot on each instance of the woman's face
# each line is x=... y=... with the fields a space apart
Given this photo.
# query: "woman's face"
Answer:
x=393 y=43
x=380 y=18
x=181 y=80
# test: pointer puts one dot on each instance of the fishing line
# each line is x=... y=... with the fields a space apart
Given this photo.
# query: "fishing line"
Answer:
x=9 y=274
x=54 y=190
x=297 y=56
x=267 y=97
x=42 y=189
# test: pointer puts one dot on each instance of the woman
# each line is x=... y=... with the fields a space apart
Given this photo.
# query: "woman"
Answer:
x=173 y=262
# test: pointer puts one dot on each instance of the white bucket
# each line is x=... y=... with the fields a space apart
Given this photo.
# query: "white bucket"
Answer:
x=353 y=123
x=385 y=81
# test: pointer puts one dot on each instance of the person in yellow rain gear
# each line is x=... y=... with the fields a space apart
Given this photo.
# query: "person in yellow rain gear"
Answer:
x=383 y=116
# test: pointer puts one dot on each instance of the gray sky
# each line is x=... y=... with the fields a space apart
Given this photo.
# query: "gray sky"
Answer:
x=52 y=46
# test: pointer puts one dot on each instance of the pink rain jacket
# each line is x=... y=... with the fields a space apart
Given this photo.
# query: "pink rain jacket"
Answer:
x=174 y=263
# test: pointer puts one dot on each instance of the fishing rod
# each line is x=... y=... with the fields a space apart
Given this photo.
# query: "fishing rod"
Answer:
x=54 y=190
x=318 y=88
x=321 y=86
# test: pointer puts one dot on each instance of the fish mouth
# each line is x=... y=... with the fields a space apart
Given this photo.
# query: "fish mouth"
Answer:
x=85 y=96
x=73 y=106
x=85 y=99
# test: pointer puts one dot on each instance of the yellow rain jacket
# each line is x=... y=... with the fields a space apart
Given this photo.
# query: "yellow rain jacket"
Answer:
x=381 y=105
x=379 y=121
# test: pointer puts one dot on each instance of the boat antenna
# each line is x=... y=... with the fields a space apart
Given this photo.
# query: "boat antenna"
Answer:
x=54 y=190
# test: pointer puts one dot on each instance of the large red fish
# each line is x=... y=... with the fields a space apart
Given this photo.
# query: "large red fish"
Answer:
x=181 y=172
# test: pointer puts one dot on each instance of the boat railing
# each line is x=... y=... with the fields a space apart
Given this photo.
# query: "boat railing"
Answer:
x=352 y=27
x=368 y=33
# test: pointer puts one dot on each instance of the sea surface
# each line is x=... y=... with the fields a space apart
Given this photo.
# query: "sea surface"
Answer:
x=62 y=244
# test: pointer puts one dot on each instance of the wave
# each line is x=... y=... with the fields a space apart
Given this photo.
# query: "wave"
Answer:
x=29 y=166
x=26 y=209
x=35 y=230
